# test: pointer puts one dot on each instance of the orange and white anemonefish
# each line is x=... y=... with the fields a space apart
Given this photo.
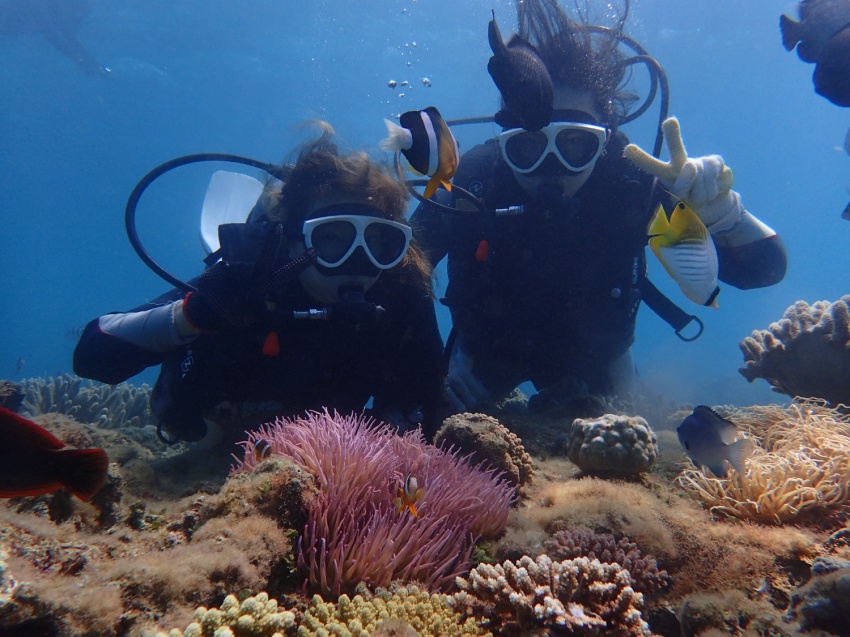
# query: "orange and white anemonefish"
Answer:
x=428 y=145
x=33 y=461
x=408 y=495
x=262 y=450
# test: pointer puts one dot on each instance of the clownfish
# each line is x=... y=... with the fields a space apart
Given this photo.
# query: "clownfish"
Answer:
x=424 y=138
x=408 y=495
x=686 y=250
x=262 y=450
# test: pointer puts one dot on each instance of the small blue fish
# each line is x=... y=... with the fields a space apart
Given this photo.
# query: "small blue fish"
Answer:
x=709 y=439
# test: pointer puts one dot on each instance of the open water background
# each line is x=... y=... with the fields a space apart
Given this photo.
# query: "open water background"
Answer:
x=222 y=76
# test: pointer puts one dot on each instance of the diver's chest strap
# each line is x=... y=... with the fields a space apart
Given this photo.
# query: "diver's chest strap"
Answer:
x=675 y=316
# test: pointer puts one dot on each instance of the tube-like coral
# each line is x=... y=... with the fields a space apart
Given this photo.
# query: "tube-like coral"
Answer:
x=356 y=531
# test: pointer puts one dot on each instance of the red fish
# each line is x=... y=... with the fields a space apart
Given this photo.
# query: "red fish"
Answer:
x=33 y=461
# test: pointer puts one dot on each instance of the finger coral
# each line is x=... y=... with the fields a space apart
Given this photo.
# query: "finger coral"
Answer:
x=579 y=596
x=256 y=616
x=806 y=353
x=800 y=466
x=428 y=614
x=356 y=531
x=646 y=578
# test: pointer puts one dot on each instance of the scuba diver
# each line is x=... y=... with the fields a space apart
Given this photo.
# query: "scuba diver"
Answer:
x=57 y=21
x=322 y=299
x=547 y=270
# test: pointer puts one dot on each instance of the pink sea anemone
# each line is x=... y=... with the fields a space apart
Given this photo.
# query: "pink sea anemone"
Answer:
x=355 y=532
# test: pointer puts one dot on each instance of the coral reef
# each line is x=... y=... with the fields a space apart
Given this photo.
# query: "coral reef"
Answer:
x=823 y=602
x=806 y=353
x=108 y=406
x=579 y=596
x=430 y=615
x=800 y=467
x=355 y=532
x=11 y=395
x=256 y=616
x=567 y=545
x=488 y=441
x=612 y=445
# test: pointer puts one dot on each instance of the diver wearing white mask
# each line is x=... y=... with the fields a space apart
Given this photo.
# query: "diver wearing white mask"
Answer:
x=322 y=300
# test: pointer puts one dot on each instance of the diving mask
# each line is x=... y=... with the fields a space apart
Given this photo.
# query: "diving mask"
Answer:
x=335 y=237
x=576 y=145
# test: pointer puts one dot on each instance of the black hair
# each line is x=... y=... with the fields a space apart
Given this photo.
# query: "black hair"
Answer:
x=578 y=56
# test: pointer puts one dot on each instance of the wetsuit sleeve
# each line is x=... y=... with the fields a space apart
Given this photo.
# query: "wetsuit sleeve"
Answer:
x=413 y=379
x=119 y=345
x=751 y=255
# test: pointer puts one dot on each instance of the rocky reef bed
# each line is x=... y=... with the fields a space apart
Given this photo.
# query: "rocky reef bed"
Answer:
x=176 y=544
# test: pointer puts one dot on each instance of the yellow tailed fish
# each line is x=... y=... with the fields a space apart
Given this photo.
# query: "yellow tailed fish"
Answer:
x=686 y=250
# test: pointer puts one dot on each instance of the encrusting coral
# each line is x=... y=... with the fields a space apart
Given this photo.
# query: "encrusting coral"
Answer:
x=646 y=578
x=579 y=596
x=108 y=406
x=356 y=531
x=800 y=466
x=806 y=353
x=488 y=441
x=614 y=445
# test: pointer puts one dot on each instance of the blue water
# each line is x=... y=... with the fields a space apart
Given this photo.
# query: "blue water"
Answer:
x=216 y=75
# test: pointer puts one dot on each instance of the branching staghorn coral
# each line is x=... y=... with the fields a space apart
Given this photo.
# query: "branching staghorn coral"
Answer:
x=643 y=569
x=110 y=407
x=801 y=465
x=578 y=596
x=355 y=530
x=806 y=353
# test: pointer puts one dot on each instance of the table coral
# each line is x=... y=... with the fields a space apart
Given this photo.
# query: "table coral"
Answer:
x=800 y=466
x=579 y=596
x=355 y=531
x=489 y=441
x=615 y=445
x=806 y=353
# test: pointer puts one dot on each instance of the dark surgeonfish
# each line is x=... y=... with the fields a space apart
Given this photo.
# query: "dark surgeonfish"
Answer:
x=709 y=441
x=34 y=461
x=522 y=79
x=57 y=21
x=822 y=37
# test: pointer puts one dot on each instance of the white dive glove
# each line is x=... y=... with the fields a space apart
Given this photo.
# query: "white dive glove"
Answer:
x=704 y=183
x=464 y=390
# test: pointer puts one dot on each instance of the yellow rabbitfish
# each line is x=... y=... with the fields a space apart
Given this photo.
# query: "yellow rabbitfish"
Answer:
x=686 y=250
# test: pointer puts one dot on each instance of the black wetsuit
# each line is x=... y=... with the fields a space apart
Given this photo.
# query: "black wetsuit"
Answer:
x=558 y=294
x=321 y=362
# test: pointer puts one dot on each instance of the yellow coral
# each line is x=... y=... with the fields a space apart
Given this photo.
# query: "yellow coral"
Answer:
x=427 y=614
x=255 y=617
x=801 y=464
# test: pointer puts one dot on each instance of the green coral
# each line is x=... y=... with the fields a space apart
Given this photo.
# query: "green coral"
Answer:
x=255 y=617
x=428 y=614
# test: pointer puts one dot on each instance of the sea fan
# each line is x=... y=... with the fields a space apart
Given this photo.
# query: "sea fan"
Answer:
x=355 y=531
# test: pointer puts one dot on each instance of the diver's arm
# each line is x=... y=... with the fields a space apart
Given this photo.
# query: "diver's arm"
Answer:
x=117 y=346
x=750 y=253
